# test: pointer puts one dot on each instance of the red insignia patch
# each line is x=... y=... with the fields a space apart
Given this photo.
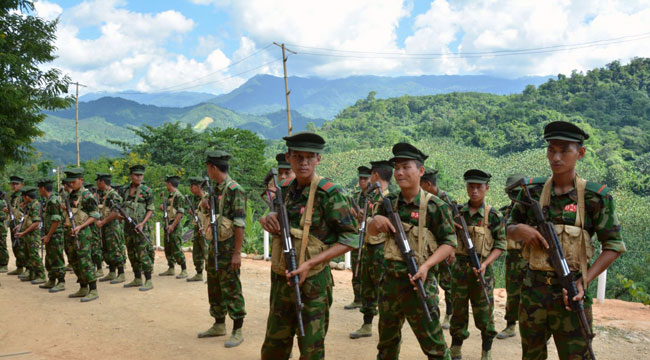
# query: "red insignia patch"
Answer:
x=302 y=210
x=370 y=206
x=571 y=208
x=219 y=198
x=415 y=215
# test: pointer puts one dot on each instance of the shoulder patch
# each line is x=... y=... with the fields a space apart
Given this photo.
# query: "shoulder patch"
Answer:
x=599 y=189
x=537 y=180
x=286 y=182
x=235 y=186
x=328 y=186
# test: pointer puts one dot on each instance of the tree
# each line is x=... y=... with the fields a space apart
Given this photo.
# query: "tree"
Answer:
x=26 y=43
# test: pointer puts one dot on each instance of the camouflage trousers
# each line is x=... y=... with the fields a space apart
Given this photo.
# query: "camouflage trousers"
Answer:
x=542 y=314
x=19 y=253
x=224 y=287
x=174 y=247
x=516 y=267
x=199 y=250
x=54 y=262
x=356 y=280
x=81 y=256
x=443 y=273
x=31 y=246
x=371 y=273
x=282 y=325
x=96 y=252
x=397 y=302
x=140 y=251
x=4 y=253
x=466 y=289
x=113 y=244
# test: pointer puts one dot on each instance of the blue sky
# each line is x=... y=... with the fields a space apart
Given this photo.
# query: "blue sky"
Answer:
x=216 y=45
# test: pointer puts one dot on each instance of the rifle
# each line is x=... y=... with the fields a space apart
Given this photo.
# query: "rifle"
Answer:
x=288 y=249
x=101 y=229
x=68 y=211
x=165 y=216
x=556 y=258
x=15 y=240
x=130 y=221
x=474 y=260
x=407 y=253
x=213 y=223
x=196 y=218
x=362 y=227
x=40 y=227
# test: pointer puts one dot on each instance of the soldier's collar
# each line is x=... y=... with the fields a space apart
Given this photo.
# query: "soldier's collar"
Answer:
x=416 y=199
x=481 y=209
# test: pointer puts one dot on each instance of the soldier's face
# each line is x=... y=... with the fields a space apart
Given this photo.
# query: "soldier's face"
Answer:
x=16 y=186
x=303 y=163
x=169 y=186
x=407 y=174
x=563 y=155
x=136 y=179
x=101 y=185
x=363 y=182
x=286 y=174
x=77 y=184
x=42 y=191
x=27 y=199
x=195 y=189
x=429 y=187
x=476 y=192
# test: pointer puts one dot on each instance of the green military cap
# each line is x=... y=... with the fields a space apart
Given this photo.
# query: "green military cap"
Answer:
x=363 y=171
x=305 y=141
x=44 y=181
x=136 y=169
x=429 y=175
x=73 y=174
x=171 y=177
x=477 y=176
x=217 y=157
x=29 y=191
x=196 y=180
x=513 y=179
x=282 y=161
x=102 y=176
x=16 y=179
x=407 y=151
x=380 y=164
x=562 y=130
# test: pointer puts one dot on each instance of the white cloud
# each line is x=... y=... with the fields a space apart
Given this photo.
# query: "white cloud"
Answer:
x=47 y=10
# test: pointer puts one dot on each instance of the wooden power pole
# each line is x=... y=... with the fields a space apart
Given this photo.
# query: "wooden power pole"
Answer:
x=286 y=82
x=76 y=119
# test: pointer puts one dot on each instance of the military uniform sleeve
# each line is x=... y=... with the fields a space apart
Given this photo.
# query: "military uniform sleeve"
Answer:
x=3 y=205
x=149 y=200
x=114 y=198
x=54 y=211
x=179 y=203
x=34 y=212
x=340 y=220
x=441 y=223
x=238 y=207
x=89 y=205
x=498 y=230
x=518 y=213
x=607 y=226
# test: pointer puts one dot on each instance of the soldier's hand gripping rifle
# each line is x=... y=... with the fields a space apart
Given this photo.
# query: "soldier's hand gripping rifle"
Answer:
x=362 y=226
x=13 y=224
x=556 y=257
x=68 y=210
x=166 y=217
x=407 y=253
x=213 y=223
x=288 y=249
x=130 y=221
x=196 y=218
x=474 y=260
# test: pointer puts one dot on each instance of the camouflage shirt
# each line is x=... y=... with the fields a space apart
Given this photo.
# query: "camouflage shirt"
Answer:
x=52 y=212
x=32 y=214
x=137 y=208
x=600 y=217
x=109 y=197
x=178 y=202
x=496 y=226
x=88 y=202
x=3 y=216
x=332 y=221
x=234 y=201
x=444 y=196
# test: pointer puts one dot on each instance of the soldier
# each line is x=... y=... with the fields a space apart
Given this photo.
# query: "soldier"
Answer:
x=199 y=244
x=175 y=211
x=84 y=208
x=372 y=256
x=284 y=174
x=52 y=237
x=363 y=174
x=329 y=230
x=485 y=226
x=138 y=204
x=29 y=236
x=4 y=253
x=429 y=182
x=97 y=251
x=64 y=192
x=111 y=229
x=224 y=287
x=16 y=182
x=516 y=267
x=578 y=209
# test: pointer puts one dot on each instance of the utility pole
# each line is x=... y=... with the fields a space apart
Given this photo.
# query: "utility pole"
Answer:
x=286 y=83
x=76 y=119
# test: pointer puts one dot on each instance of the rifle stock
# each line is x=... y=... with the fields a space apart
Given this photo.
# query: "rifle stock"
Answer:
x=73 y=223
x=362 y=227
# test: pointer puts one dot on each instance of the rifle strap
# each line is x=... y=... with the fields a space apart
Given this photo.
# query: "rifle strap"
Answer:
x=305 y=221
x=422 y=219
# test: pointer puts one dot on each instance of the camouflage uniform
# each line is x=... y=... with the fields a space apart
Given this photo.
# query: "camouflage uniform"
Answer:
x=443 y=270
x=141 y=253
x=465 y=287
x=31 y=241
x=174 y=246
x=357 y=199
x=224 y=287
x=397 y=300
x=199 y=244
x=19 y=251
x=372 y=266
x=332 y=223
x=516 y=266
x=82 y=256
x=112 y=232
x=4 y=253
x=97 y=251
x=54 y=262
x=541 y=310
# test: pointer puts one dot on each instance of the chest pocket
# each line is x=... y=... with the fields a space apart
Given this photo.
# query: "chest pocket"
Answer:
x=481 y=235
x=135 y=206
x=79 y=215
x=226 y=230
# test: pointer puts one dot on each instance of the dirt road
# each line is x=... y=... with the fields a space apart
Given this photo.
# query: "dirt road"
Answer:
x=163 y=323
